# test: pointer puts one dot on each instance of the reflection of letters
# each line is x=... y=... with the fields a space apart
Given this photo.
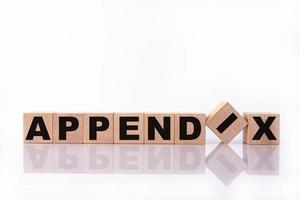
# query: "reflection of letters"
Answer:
x=67 y=161
x=189 y=157
x=97 y=161
x=163 y=157
x=67 y=158
x=261 y=159
x=98 y=158
x=37 y=158
x=225 y=163
x=158 y=158
x=264 y=160
x=38 y=155
x=128 y=158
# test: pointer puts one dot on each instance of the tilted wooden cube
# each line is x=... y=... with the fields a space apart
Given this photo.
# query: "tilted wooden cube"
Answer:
x=263 y=128
x=225 y=122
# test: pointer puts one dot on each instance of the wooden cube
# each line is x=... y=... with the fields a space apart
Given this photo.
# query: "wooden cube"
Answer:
x=225 y=122
x=159 y=128
x=190 y=128
x=67 y=128
x=263 y=128
x=37 y=127
x=98 y=128
x=128 y=128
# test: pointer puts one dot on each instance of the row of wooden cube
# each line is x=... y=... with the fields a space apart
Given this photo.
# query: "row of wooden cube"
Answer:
x=224 y=121
x=110 y=135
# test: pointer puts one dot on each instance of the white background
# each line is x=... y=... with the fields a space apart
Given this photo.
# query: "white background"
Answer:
x=154 y=56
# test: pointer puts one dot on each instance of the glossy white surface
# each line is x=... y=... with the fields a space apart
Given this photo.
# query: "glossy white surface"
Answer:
x=152 y=56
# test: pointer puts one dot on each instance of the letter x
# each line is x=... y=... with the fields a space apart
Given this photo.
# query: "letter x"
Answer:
x=264 y=127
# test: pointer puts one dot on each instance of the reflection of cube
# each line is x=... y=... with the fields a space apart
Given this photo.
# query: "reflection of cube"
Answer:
x=98 y=158
x=189 y=159
x=37 y=158
x=67 y=158
x=263 y=128
x=225 y=163
x=261 y=159
x=128 y=159
x=158 y=159
x=225 y=122
x=38 y=124
x=159 y=128
x=190 y=128
x=98 y=128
